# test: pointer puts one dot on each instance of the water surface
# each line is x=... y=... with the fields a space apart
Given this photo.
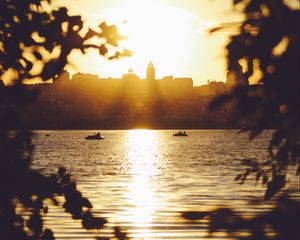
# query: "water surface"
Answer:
x=141 y=180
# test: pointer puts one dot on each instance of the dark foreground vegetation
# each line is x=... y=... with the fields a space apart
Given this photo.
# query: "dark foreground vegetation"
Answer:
x=28 y=29
x=268 y=42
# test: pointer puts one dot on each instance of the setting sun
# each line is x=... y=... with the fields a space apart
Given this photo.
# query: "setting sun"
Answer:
x=154 y=31
x=157 y=32
x=173 y=34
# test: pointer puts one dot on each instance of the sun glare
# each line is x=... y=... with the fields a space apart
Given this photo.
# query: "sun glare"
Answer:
x=172 y=34
x=154 y=31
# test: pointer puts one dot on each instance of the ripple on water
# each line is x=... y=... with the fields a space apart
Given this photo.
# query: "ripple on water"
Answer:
x=142 y=180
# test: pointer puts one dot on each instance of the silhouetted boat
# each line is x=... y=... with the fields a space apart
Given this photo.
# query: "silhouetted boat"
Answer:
x=96 y=136
x=180 y=134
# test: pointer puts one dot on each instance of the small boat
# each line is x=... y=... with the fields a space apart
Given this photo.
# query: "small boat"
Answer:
x=96 y=136
x=180 y=134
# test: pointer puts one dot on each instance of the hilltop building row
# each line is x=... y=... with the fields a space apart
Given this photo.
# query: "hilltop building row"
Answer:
x=131 y=83
x=129 y=80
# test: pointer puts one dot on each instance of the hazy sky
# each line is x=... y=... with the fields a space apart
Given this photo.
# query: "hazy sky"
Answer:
x=172 y=33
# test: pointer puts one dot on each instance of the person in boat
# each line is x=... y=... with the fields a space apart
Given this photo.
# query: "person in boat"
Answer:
x=97 y=134
x=184 y=133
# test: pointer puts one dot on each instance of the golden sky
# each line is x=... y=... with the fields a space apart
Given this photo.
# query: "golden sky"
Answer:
x=172 y=33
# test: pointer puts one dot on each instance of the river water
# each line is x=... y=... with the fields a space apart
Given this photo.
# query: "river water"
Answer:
x=141 y=180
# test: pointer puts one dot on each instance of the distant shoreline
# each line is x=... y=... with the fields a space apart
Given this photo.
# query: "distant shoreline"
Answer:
x=126 y=124
x=131 y=128
x=178 y=124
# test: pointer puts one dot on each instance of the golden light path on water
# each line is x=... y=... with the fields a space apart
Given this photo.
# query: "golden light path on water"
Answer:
x=141 y=150
x=142 y=180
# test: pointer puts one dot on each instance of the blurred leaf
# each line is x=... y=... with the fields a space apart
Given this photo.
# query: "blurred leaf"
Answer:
x=238 y=177
x=236 y=1
x=47 y=235
x=277 y=138
x=193 y=215
x=274 y=186
x=254 y=133
x=119 y=234
x=91 y=222
x=265 y=179
x=37 y=55
x=61 y=171
x=91 y=33
x=258 y=176
x=103 y=50
x=219 y=100
x=215 y=29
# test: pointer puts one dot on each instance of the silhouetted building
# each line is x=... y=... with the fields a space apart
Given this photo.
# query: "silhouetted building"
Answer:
x=167 y=78
x=184 y=83
x=130 y=76
x=88 y=101
x=130 y=86
x=62 y=77
x=84 y=76
x=211 y=88
x=150 y=72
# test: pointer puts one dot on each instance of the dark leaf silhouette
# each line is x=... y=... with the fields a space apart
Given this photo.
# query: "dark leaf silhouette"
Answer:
x=193 y=215
x=91 y=222
x=283 y=220
x=274 y=186
x=236 y=1
x=34 y=28
x=218 y=100
x=121 y=235
x=272 y=103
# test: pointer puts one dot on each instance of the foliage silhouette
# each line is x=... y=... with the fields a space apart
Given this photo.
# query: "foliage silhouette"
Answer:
x=283 y=220
x=268 y=45
x=30 y=35
x=35 y=42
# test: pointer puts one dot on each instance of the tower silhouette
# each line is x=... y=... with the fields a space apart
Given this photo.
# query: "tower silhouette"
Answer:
x=150 y=72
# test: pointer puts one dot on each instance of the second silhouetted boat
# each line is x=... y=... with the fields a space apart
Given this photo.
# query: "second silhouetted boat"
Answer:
x=180 y=134
x=96 y=136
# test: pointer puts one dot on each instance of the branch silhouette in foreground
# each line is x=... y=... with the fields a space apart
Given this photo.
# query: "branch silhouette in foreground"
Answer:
x=268 y=46
x=35 y=42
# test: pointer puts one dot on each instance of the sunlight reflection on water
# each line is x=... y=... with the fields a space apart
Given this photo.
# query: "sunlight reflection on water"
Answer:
x=141 y=147
x=141 y=179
